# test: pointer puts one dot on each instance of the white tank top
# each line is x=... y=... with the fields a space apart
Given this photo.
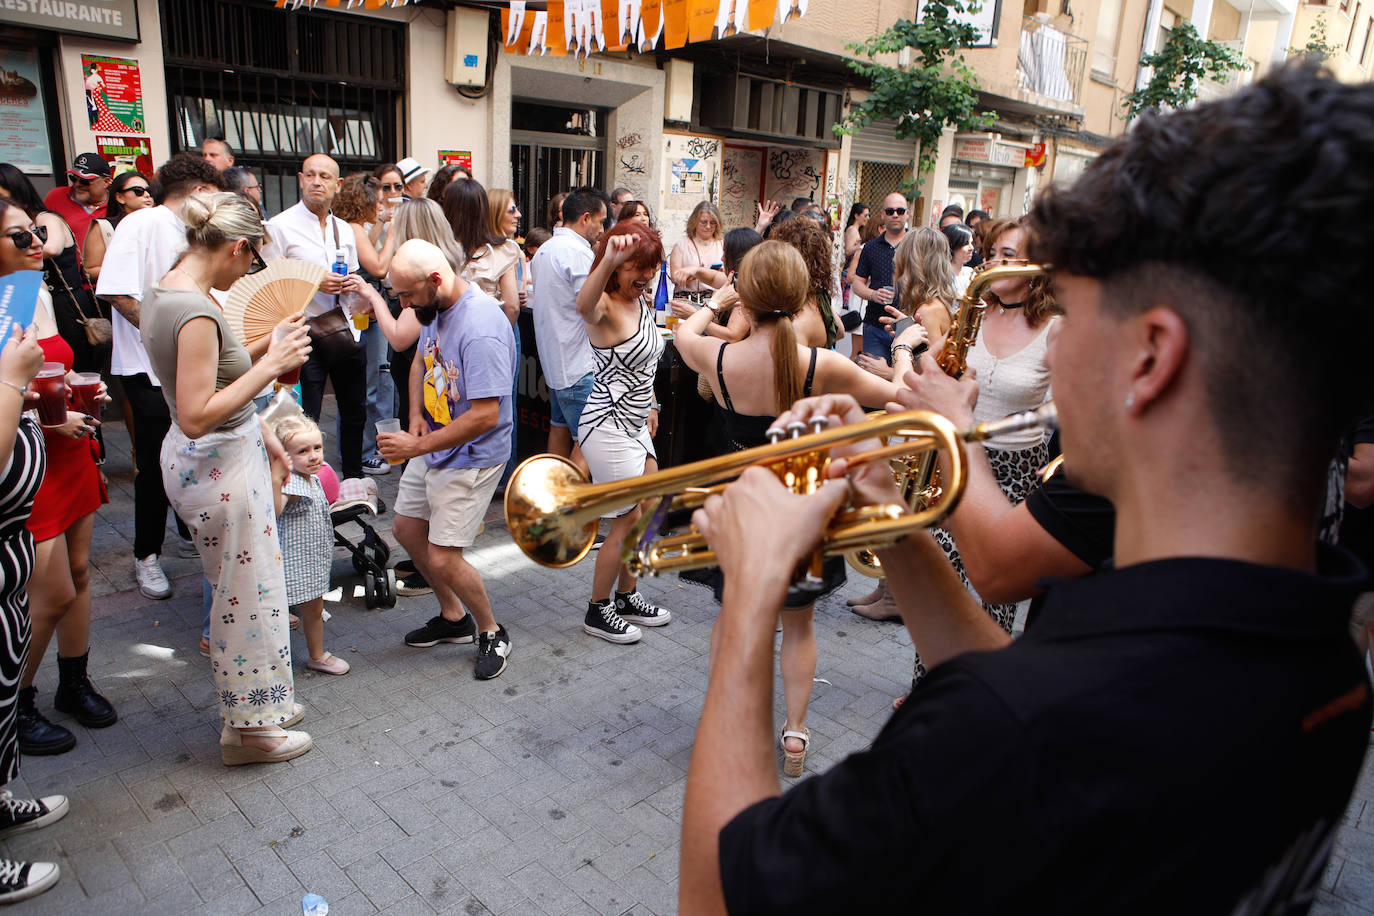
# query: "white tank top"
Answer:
x=1018 y=382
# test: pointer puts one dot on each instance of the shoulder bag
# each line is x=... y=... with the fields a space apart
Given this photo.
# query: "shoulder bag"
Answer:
x=330 y=335
x=98 y=330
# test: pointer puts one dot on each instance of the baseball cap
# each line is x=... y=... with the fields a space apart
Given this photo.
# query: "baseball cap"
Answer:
x=411 y=169
x=89 y=165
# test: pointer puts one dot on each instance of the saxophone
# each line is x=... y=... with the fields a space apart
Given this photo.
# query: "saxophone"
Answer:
x=915 y=475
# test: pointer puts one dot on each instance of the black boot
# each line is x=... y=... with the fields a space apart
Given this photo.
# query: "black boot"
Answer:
x=37 y=736
x=77 y=697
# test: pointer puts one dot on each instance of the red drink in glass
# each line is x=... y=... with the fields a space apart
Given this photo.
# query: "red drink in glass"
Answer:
x=290 y=378
x=51 y=387
x=86 y=394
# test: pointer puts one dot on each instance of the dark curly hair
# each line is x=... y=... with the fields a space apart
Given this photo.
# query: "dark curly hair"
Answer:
x=814 y=244
x=356 y=201
x=1227 y=213
x=181 y=174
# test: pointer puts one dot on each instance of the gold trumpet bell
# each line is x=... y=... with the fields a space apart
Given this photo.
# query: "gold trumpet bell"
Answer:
x=536 y=502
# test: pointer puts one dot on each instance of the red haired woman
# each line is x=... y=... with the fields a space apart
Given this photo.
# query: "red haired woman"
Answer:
x=617 y=425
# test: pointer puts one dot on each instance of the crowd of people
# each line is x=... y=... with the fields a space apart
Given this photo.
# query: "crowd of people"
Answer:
x=1183 y=584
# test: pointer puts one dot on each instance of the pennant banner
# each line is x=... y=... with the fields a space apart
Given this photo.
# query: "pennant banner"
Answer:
x=584 y=27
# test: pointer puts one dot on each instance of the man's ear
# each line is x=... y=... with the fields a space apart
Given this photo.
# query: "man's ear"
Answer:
x=1160 y=343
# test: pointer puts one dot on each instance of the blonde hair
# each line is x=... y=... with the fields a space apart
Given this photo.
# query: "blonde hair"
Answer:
x=498 y=202
x=773 y=284
x=288 y=428
x=213 y=220
x=705 y=208
x=924 y=269
x=422 y=218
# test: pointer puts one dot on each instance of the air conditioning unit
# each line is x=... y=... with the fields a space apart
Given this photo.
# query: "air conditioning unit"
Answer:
x=465 y=47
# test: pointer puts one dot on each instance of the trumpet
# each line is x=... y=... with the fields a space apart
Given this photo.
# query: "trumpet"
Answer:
x=552 y=511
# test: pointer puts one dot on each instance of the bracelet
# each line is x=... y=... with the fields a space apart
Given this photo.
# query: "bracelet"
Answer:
x=22 y=389
x=911 y=354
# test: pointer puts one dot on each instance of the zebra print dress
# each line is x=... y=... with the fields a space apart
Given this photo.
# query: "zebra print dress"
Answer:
x=18 y=485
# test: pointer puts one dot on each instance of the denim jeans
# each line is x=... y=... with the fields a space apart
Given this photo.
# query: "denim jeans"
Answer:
x=567 y=403
x=381 y=389
x=878 y=342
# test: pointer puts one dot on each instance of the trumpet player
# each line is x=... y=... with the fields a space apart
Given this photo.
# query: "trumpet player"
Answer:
x=1123 y=755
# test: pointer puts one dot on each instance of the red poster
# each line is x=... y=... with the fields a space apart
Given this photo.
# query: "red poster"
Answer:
x=461 y=157
x=126 y=153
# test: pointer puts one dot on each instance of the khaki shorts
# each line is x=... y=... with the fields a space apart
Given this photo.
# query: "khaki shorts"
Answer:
x=453 y=500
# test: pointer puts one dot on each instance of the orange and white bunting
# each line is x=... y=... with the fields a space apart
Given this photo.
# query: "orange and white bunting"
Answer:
x=584 y=27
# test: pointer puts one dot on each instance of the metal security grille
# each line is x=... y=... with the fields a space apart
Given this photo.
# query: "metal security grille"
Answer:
x=553 y=149
x=279 y=87
x=875 y=180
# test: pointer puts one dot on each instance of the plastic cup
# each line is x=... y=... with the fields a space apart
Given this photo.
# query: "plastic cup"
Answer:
x=86 y=394
x=361 y=320
x=671 y=322
x=51 y=386
x=291 y=376
x=391 y=425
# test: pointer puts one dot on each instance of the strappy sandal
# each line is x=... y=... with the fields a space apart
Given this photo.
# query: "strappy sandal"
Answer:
x=792 y=763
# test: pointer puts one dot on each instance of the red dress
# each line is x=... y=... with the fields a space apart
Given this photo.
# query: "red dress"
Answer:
x=71 y=487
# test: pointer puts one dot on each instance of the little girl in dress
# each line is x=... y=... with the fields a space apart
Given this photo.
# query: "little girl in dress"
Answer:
x=307 y=540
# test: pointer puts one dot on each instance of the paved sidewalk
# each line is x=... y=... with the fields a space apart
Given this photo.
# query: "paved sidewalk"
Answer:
x=555 y=788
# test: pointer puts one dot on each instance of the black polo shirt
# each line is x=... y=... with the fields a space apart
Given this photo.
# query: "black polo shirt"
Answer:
x=1177 y=736
x=875 y=266
x=1083 y=522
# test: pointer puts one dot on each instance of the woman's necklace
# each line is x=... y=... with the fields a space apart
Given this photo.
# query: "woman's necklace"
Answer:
x=202 y=287
x=1004 y=307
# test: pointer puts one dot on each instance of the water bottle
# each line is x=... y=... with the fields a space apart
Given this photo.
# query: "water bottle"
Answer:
x=661 y=295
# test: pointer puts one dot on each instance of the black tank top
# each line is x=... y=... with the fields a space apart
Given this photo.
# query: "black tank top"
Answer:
x=748 y=430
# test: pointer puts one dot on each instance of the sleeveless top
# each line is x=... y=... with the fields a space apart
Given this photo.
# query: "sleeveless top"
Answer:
x=489 y=265
x=1018 y=382
x=748 y=430
x=623 y=382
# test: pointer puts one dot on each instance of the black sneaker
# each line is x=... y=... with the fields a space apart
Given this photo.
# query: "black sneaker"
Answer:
x=20 y=815
x=441 y=630
x=635 y=609
x=22 y=880
x=376 y=467
x=492 y=651
x=602 y=621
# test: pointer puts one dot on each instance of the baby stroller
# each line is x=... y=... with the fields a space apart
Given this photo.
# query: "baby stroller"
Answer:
x=357 y=502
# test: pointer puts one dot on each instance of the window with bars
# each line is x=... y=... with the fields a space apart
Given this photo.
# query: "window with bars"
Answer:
x=279 y=86
x=875 y=180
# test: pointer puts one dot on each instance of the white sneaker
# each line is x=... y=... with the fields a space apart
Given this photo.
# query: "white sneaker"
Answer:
x=152 y=581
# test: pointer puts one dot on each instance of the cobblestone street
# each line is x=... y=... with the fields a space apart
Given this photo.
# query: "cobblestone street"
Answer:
x=555 y=788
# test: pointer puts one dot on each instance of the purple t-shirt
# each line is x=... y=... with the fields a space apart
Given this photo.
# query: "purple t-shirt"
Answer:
x=468 y=353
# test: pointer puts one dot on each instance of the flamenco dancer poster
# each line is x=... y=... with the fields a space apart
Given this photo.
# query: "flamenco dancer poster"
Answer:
x=114 y=94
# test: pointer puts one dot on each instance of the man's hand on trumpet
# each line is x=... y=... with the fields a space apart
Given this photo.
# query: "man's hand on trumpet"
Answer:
x=932 y=390
x=761 y=531
x=871 y=482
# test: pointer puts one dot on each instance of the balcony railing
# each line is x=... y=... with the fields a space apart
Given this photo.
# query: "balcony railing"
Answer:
x=1050 y=62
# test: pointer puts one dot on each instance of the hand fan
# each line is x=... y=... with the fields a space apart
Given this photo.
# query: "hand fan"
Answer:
x=258 y=302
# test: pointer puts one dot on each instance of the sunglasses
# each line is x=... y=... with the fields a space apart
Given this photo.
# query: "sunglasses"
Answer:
x=387 y=186
x=895 y=211
x=136 y=190
x=514 y=210
x=258 y=263
x=23 y=238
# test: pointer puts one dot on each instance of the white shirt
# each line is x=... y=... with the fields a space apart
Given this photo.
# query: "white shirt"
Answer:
x=563 y=263
x=1014 y=383
x=145 y=245
x=296 y=233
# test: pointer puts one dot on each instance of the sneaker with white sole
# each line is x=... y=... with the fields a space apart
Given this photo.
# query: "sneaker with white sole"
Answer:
x=634 y=608
x=20 y=815
x=441 y=629
x=376 y=466
x=152 y=581
x=492 y=651
x=604 y=623
x=22 y=880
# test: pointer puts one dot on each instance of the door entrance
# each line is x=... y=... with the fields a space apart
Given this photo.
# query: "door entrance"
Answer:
x=553 y=149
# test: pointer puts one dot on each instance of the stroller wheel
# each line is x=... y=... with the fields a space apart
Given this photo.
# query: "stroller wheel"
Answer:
x=369 y=592
x=386 y=589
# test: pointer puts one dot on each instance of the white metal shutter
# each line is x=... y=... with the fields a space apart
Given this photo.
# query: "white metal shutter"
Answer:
x=878 y=143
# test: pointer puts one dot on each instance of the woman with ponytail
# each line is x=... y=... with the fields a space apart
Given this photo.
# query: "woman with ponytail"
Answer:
x=757 y=379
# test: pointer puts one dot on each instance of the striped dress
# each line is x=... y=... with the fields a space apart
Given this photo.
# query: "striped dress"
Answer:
x=623 y=389
x=18 y=486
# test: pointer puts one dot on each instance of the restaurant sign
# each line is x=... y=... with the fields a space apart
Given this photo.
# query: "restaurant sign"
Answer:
x=116 y=19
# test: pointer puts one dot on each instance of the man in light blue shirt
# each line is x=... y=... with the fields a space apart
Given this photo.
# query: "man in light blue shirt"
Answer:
x=460 y=423
x=560 y=267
